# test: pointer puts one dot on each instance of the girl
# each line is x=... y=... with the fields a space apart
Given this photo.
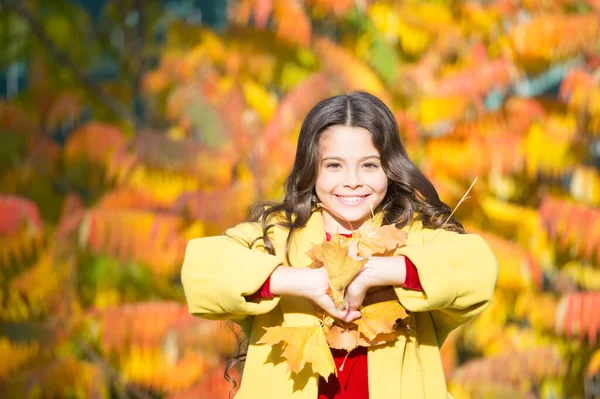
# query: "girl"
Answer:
x=349 y=161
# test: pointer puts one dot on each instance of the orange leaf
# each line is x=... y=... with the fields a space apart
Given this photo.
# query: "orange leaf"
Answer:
x=293 y=25
x=347 y=337
x=302 y=345
x=341 y=338
x=382 y=240
x=380 y=318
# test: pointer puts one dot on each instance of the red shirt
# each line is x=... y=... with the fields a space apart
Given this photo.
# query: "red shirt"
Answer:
x=353 y=381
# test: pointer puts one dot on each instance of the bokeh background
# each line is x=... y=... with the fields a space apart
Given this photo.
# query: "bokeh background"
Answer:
x=128 y=127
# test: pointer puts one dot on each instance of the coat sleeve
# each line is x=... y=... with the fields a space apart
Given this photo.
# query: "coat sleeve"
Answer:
x=458 y=273
x=219 y=271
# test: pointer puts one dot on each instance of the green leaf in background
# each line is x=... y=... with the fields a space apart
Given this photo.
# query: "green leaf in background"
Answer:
x=384 y=59
x=206 y=125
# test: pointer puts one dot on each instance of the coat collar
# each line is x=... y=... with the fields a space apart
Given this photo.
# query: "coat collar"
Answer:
x=311 y=234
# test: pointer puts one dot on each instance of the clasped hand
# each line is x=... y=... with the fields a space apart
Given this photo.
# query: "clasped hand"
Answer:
x=378 y=272
x=313 y=284
x=355 y=293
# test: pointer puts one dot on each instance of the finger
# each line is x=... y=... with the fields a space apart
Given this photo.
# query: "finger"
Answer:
x=346 y=315
x=351 y=316
x=354 y=302
x=327 y=305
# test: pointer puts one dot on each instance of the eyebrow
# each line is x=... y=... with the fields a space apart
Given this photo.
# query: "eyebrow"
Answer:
x=341 y=159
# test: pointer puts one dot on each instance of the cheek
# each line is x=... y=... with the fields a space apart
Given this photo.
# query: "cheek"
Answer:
x=325 y=182
x=382 y=184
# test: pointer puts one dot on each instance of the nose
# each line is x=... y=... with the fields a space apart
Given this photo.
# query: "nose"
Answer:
x=353 y=180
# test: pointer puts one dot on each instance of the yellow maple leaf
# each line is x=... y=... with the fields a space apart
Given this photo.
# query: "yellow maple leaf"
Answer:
x=379 y=318
x=302 y=345
x=341 y=269
x=374 y=240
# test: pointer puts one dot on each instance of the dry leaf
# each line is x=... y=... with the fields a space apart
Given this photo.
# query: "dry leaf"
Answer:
x=341 y=269
x=380 y=318
x=339 y=337
x=302 y=345
x=380 y=241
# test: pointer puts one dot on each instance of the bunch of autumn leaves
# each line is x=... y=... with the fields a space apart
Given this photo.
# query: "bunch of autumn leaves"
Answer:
x=344 y=257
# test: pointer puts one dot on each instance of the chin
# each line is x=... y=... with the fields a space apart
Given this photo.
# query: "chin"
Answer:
x=352 y=217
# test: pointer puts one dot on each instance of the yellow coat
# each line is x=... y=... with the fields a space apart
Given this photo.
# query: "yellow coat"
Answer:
x=458 y=274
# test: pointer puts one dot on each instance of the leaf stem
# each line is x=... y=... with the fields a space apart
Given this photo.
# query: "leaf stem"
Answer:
x=464 y=197
x=344 y=361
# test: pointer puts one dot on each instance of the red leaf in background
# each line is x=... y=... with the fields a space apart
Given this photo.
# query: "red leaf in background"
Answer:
x=477 y=80
x=578 y=313
x=262 y=12
x=575 y=224
x=592 y=231
x=16 y=211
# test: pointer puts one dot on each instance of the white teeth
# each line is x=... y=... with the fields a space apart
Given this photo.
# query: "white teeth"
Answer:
x=351 y=199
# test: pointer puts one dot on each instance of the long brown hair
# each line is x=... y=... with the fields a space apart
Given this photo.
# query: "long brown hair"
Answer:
x=409 y=191
x=410 y=195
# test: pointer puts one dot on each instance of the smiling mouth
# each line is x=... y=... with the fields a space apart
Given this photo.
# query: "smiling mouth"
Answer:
x=351 y=199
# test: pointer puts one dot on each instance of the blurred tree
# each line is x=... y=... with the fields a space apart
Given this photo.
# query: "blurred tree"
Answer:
x=160 y=124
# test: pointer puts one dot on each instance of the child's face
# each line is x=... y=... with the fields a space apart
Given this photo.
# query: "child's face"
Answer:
x=350 y=179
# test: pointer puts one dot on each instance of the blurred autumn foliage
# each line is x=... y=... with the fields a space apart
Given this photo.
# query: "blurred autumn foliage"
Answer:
x=102 y=182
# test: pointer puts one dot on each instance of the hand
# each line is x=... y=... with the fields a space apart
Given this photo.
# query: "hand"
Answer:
x=357 y=290
x=312 y=284
x=379 y=271
x=319 y=286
